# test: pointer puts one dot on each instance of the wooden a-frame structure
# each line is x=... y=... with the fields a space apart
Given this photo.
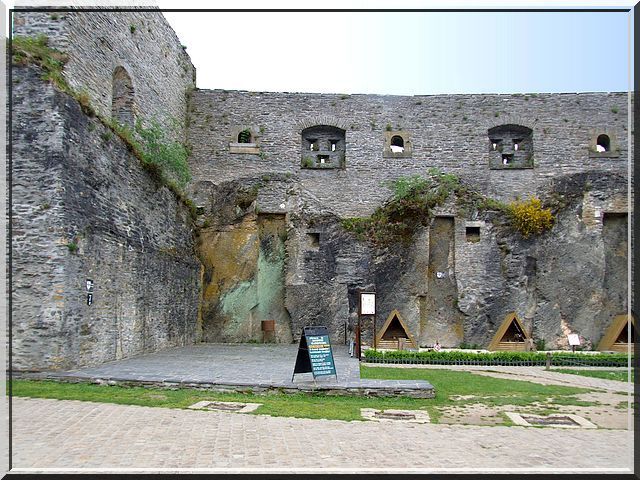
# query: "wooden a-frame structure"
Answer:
x=616 y=337
x=393 y=330
x=511 y=335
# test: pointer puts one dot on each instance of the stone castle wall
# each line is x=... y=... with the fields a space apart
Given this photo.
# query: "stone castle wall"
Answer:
x=84 y=209
x=98 y=42
x=446 y=131
x=482 y=280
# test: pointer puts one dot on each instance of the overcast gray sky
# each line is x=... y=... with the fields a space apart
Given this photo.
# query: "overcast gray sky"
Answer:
x=408 y=53
x=404 y=53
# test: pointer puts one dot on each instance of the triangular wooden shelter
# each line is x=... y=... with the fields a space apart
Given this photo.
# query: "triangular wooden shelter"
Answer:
x=394 y=333
x=616 y=337
x=511 y=335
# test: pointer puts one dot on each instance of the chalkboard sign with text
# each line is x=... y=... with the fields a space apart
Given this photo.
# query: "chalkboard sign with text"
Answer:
x=314 y=353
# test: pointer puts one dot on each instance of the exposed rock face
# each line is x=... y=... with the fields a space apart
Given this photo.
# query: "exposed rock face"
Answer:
x=449 y=285
x=243 y=278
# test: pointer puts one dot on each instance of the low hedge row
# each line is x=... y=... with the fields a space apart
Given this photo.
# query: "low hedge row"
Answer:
x=497 y=358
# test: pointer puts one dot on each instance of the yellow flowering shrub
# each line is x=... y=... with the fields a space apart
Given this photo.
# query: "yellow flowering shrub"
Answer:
x=529 y=217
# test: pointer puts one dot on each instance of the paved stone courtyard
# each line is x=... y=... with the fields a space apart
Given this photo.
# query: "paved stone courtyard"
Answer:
x=254 y=367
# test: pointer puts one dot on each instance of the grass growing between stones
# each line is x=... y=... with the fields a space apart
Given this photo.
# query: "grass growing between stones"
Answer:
x=619 y=375
x=414 y=199
x=452 y=389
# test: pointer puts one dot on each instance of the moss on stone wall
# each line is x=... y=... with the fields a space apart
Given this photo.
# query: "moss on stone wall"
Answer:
x=416 y=197
x=164 y=160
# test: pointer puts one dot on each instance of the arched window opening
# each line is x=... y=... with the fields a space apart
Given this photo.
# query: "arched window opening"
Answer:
x=397 y=144
x=244 y=136
x=122 y=100
x=603 y=143
x=516 y=143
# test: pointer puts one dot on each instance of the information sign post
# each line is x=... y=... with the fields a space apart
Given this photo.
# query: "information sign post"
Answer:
x=367 y=307
x=574 y=341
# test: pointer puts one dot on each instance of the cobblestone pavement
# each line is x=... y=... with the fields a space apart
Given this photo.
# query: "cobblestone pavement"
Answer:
x=63 y=435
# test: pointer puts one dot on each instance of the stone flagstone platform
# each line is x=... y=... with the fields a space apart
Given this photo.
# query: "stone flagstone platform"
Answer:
x=253 y=368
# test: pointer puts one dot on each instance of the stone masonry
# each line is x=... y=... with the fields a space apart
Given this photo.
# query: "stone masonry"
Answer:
x=141 y=42
x=268 y=242
x=84 y=209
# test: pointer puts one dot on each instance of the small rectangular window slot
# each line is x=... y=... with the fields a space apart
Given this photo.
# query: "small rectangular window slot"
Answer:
x=507 y=159
x=473 y=234
x=324 y=159
x=314 y=239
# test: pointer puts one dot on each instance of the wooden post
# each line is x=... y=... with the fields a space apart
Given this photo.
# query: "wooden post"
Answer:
x=548 y=361
x=374 y=333
x=358 y=351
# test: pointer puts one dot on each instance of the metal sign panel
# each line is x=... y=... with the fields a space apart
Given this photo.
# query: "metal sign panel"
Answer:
x=574 y=339
x=367 y=303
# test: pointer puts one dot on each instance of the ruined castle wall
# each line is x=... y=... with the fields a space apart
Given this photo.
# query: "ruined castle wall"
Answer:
x=445 y=131
x=488 y=272
x=98 y=42
x=84 y=209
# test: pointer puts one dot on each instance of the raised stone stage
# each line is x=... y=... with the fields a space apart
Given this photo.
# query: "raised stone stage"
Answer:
x=253 y=368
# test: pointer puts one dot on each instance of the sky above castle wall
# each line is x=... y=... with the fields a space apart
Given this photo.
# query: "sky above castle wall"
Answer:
x=409 y=53
x=406 y=53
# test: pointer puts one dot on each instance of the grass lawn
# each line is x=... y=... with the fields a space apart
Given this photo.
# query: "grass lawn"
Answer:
x=484 y=389
x=448 y=383
x=620 y=374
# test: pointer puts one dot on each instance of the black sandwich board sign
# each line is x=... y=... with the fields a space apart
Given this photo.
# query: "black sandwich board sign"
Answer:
x=314 y=353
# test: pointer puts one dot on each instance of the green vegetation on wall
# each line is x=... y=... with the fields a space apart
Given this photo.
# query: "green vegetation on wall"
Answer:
x=414 y=198
x=171 y=157
x=164 y=160
x=35 y=50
